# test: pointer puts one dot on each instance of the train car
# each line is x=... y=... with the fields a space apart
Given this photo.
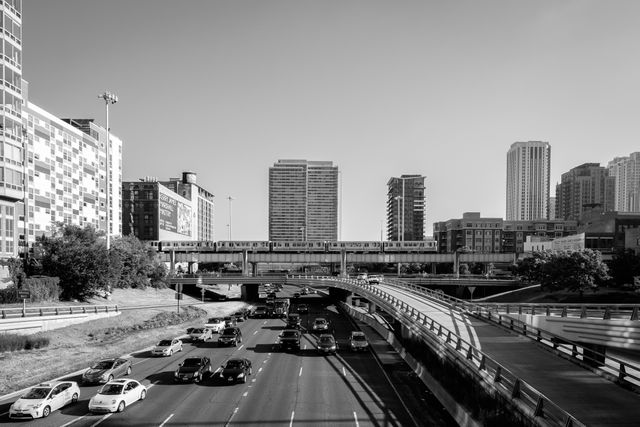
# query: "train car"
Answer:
x=234 y=246
x=298 y=246
x=154 y=244
x=411 y=246
x=186 y=246
x=364 y=246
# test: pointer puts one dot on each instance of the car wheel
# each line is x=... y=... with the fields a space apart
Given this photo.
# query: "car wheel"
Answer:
x=74 y=398
x=170 y=352
x=46 y=411
x=244 y=379
x=121 y=406
x=143 y=394
x=110 y=378
x=129 y=370
x=180 y=349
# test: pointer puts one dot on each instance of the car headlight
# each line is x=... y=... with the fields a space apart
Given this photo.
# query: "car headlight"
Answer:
x=113 y=402
x=176 y=373
x=33 y=406
x=241 y=374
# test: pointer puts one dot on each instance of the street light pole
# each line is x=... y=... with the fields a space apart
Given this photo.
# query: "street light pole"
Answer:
x=109 y=98
x=25 y=178
x=231 y=199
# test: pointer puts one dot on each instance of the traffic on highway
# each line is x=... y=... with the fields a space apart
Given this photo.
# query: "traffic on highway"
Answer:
x=308 y=365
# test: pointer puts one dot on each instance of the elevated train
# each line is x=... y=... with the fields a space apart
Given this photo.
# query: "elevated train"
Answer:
x=296 y=246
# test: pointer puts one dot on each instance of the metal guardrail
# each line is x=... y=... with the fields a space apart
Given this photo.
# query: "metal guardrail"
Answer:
x=9 y=313
x=487 y=370
x=581 y=311
x=616 y=370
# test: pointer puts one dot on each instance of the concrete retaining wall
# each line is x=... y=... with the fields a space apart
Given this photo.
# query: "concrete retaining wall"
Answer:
x=32 y=325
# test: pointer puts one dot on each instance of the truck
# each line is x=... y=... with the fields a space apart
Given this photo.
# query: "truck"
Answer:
x=281 y=307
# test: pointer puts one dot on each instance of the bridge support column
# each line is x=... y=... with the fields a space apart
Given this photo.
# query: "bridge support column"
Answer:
x=254 y=269
x=245 y=263
x=372 y=307
x=350 y=298
x=172 y=262
x=343 y=263
x=433 y=268
x=456 y=264
x=249 y=292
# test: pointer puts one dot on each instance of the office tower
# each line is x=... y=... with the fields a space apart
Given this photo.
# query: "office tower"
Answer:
x=552 y=206
x=13 y=161
x=471 y=233
x=303 y=200
x=405 y=208
x=178 y=209
x=626 y=173
x=582 y=189
x=528 y=169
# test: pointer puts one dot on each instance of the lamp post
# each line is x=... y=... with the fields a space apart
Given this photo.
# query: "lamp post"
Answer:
x=25 y=188
x=231 y=199
x=109 y=98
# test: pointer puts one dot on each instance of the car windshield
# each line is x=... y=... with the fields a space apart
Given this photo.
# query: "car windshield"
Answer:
x=358 y=338
x=320 y=322
x=289 y=334
x=164 y=343
x=37 y=393
x=229 y=331
x=234 y=364
x=103 y=364
x=192 y=362
x=197 y=331
x=326 y=340
x=111 y=389
x=214 y=320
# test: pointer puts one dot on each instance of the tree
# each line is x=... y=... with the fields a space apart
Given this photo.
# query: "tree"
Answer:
x=79 y=258
x=136 y=263
x=624 y=266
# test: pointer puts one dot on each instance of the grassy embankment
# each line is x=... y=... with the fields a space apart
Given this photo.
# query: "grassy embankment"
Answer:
x=76 y=346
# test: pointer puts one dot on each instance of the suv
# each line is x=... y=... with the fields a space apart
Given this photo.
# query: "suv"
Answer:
x=358 y=341
x=294 y=321
x=290 y=339
x=200 y=334
x=216 y=324
x=327 y=344
x=193 y=369
x=230 y=336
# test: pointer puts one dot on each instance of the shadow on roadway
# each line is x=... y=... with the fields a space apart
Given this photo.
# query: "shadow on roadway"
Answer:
x=81 y=407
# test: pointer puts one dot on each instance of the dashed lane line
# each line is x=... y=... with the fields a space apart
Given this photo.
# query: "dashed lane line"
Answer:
x=293 y=413
x=344 y=372
x=355 y=418
x=300 y=374
x=101 y=419
x=74 y=420
x=166 y=420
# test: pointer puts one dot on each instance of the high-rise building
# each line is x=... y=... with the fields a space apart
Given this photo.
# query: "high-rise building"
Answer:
x=177 y=209
x=582 y=189
x=13 y=139
x=406 y=208
x=528 y=172
x=626 y=172
x=303 y=200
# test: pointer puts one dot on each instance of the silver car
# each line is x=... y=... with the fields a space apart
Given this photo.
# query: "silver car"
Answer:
x=106 y=370
x=167 y=347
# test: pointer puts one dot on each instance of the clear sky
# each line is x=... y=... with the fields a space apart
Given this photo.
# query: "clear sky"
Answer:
x=381 y=88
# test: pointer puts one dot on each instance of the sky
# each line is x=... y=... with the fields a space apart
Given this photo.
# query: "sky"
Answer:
x=381 y=88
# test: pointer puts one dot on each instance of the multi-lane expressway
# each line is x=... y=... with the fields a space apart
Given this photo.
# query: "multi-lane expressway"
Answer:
x=286 y=389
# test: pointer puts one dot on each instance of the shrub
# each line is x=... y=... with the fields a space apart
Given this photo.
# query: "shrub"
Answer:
x=14 y=342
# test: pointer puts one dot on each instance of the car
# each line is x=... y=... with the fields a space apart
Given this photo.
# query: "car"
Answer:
x=289 y=339
x=260 y=312
x=375 y=279
x=320 y=324
x=361 y=277
x=303 y=309
x=216 y=324
x=105 y=370
x=358 y=341
x=167 y=347
x=193 y=369
x=296 y=295
x=116 y=395
x=230 y=321
x=235 y=370
x=294 y=321
x=200 y=334
x=240 y=316
x=304 y=291
x=230 y=336
x=327 y=344
x=44 y=398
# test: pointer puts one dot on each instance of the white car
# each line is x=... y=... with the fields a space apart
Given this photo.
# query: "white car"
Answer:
x=45 y=398
x=116 y=395
x=320 y=324
x=358 y=341
x=200 y=334
x=167 y=347
x=216 y=324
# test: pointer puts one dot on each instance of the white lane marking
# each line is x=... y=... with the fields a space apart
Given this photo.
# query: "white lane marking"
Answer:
x=269 y=354
x=240 y=346
x=300 y=374
x=72 y=421
x=101 y=419
x=264 y=361
x=260 y=370
x=305 y=346
x=165 y=421
x=344 y=372
x=355 y=417
x=291 y=422
x=151 y=385
x=255 y=332
x=264 y=323
x=245 y=394
x=143 y=360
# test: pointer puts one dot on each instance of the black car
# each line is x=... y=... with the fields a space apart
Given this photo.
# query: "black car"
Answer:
x=290 y=339
x=260 y=312
x=296 y=295
x=239 y=316
x=230 y=336
x=235 y=370
x=294 y=321
x=303 y=309
x=193 y=369
x=230 y=321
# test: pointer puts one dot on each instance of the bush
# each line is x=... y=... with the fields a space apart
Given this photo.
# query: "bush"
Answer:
x=9 y=295
x=13 y=342
x=43 y=288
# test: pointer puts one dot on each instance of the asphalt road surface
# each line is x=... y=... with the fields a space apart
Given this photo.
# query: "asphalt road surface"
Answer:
x=285 y=389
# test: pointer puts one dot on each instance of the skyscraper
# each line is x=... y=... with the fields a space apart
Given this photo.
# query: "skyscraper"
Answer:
x=626 y=172
x=528 y=169
x=583 y=188
x=405 y=208
x=303 y=200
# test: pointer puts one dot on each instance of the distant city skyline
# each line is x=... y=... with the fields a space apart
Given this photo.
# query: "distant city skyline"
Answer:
x=431 y=88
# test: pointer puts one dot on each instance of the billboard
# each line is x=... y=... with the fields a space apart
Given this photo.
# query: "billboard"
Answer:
x=173 y=215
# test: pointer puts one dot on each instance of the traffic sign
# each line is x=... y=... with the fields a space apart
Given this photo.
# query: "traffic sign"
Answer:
x=24 y=294
x=179 y=296
x=178 y=287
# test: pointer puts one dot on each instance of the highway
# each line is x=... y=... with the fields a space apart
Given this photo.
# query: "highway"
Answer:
x=286 y=389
